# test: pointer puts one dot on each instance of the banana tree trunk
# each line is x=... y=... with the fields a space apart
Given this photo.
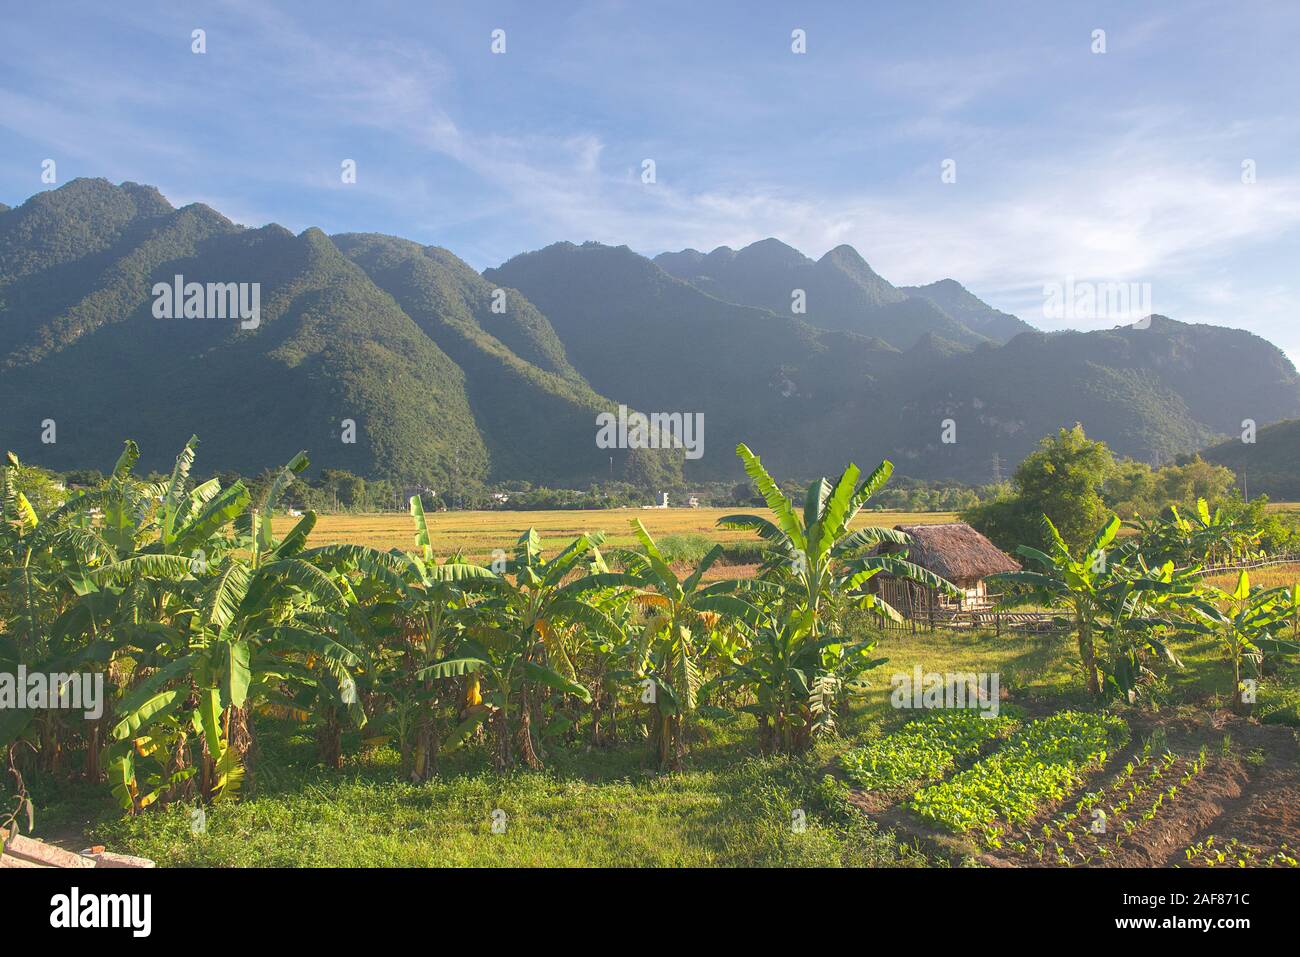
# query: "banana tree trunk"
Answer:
x=504 y=751
x=1088 y=657
x=244 y=742
x=527 y=753
x=425 y=752
x=93 y=771
x=329 y=740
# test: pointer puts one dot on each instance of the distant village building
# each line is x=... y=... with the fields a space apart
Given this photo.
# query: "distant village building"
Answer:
x=428 y=497
x=500 y=498
x=953 y=551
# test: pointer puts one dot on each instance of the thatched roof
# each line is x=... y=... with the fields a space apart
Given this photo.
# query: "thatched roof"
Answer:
x=954 y=551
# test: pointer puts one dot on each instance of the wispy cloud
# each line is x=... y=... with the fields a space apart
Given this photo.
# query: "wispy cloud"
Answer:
x=1116 y=168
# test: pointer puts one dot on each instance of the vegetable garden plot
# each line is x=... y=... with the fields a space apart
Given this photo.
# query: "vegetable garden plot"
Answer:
x=1233 y=853
x=924 y=750
x=1193 y=790
x=1103 y=823
x=1200 y=791
x=1043 y=762
x=1260 y=827
x=1223 y=799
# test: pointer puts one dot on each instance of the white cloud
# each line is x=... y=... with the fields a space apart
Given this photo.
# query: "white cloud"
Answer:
x=1157 y=199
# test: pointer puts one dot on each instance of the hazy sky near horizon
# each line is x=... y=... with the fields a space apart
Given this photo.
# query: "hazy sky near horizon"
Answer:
x=1123 y=166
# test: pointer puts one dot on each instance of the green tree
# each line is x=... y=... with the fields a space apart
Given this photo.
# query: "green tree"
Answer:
x=1062 y=479
x=348 y=489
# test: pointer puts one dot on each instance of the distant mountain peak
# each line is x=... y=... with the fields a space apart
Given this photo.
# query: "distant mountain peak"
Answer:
x=1153 y=321
x=844 y=254
x=204 y=211
x=772 y=251
x=144 y=190
x=86 y=190
x=968 y=309
x=849 y=261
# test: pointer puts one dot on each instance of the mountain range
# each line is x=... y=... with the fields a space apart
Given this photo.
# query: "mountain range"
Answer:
x=448 y=375
x=1267 y=462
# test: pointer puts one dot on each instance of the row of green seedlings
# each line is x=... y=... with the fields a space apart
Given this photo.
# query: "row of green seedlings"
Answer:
x=1041 y=764
x=1236 y=854
x=1102 y=822
x=926 y=749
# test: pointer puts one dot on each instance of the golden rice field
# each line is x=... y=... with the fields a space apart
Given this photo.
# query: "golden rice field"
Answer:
x=476 y=534
x=1269 y=576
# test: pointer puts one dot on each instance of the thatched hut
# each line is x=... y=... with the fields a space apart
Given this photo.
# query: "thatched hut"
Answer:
x=954 y=551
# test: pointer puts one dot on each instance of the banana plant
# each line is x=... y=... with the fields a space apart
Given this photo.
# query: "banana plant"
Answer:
x=1138 y=609
x=111 y=577
x=683 y=614
x=1215 y=535
x=29 y=594
x=1106 y=598
x=609 y=661
x=795 y=676
x=1202 y=537
x=513 y=644
x=1065 y=581
x=216 y=629
x=1246 y=622
x=816 y=567
x=815 y=549
x=436 y=605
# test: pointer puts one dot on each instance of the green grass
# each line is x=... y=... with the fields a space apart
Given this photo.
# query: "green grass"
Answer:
x=688 y=549
x=1030 y=667
x=589 y=808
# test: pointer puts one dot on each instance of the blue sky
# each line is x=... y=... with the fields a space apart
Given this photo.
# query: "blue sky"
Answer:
x=1117 y=167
